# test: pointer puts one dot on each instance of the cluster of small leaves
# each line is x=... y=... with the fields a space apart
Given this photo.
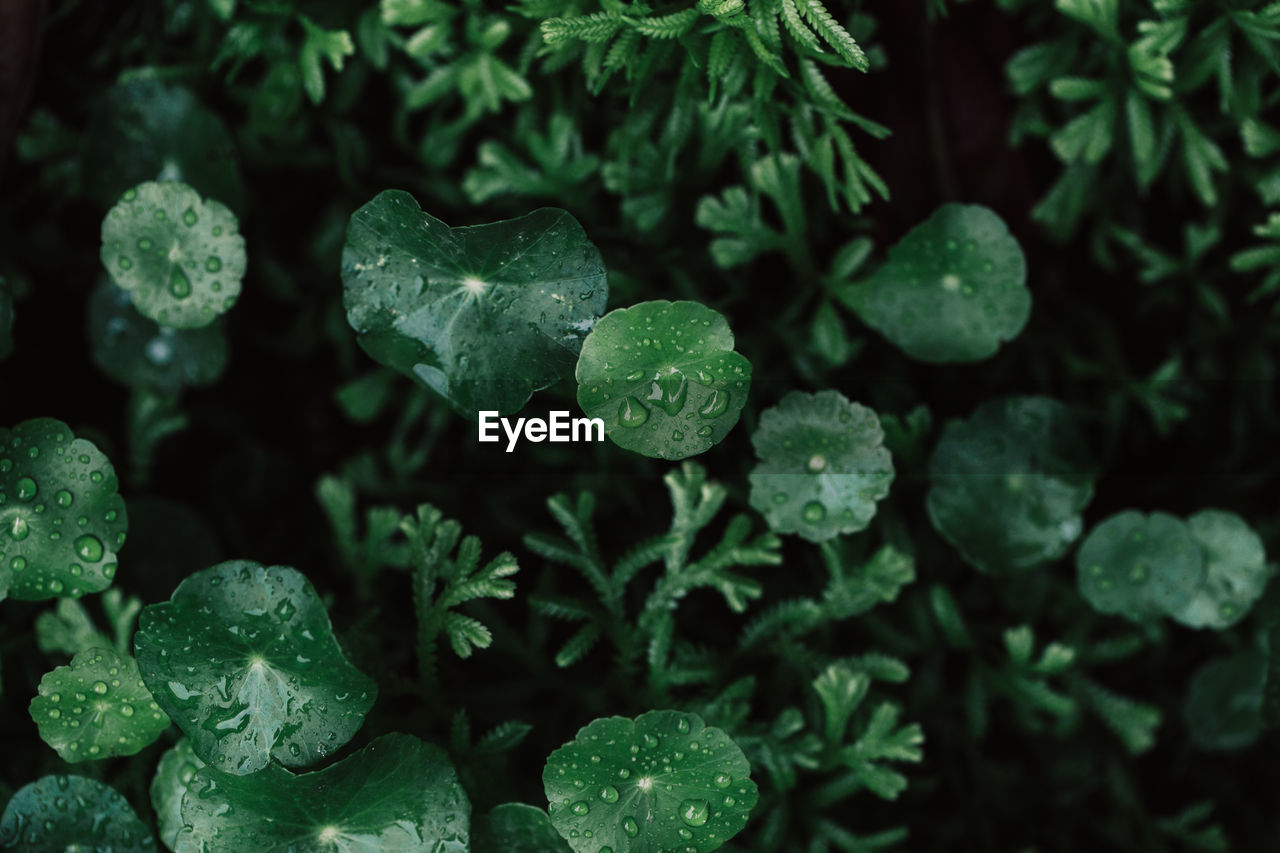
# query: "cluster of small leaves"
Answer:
x=441 y=583
x=651 y=636
x=1205 y=572
x=1126 y=93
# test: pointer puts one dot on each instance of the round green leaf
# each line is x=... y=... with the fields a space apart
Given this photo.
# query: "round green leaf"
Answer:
x=97 y=707
x=243 y=658
x=397 y=794
x=66 y=813
x=663 y=377
x=179 y=256
x=485 y=315
x=953 y=289
x=178 y=766
x=61 y=521
x=1224 y=702
x=663 y=781
x=146 y=130
x=822 y=465
x=1235 y=571
x=516 y=828
x=1008 y=484
x=136 y=351
x=1140 y=566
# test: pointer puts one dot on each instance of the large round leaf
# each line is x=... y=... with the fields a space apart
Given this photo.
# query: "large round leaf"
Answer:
x=953 y=289
x=66 y=813
x=179 y=256
x=663 y=781
x=97 y=707
x=244 y=660
x=397 y=794
x=1140 y=566
x=61 y=520
x=663 y=377
x=485 y=315
x=1224 y=702
x=178 y=766
x=1235 y=570
x=516 y=828
x=1007 y=485
x=147 y=130
x=138 y=352
x=822 y=465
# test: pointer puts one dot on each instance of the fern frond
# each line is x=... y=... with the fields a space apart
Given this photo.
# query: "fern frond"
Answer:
x=830 y=31
x=577 y=646
x=670 y=26
x=595 y=28
x=465 y=633
x=796 y=26
x=560 y=608
x=503 y=737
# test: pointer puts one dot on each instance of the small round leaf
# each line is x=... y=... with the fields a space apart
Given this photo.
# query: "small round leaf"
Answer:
x=953 y=289
x=1140 y=566
x=97 y=707
x=1235 y=570
x=1224 y=702
x=663 y=377
x=822 y=465
x=1008 y=484
x=61 y=520
x=243 y=658
x=484 y=315
x=72 y=813
x=178 y=766
x=147 y=130
x=397 y=794
x=663 y=781
x=136 y=351
x=516 y=828
x=179 y=256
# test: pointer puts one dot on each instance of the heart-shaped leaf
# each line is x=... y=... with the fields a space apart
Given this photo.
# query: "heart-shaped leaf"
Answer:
x=147 y=130
x=1140 y=566
x=61 y=520
x=1224 y=702
x=663 y=781
x=1236 y=570
x=822 y=465
x=97 y=707
x=179 y=256
x=516 y=828
x=134 y=350
x=485 y=315
x=68 y=813
x=663 y=377
x=397 y=794
x=1008 y=485
x=953 y=289
x=178 y=766
x=243 y=658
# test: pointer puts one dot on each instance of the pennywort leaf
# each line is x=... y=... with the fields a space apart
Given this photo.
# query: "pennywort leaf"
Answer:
x=180 y=257
x=178 y=766
x=952 y=290
x=97 y=707
x=484 y=315
x=516 y=828
x=1236 y=571
x=663 y=781
x=664 y=378
x=1140 y=566
x=822 y=465
x=72 y=813
x=61 y=520
x=243 y=658
x=1008 y=484
x=397 y=794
